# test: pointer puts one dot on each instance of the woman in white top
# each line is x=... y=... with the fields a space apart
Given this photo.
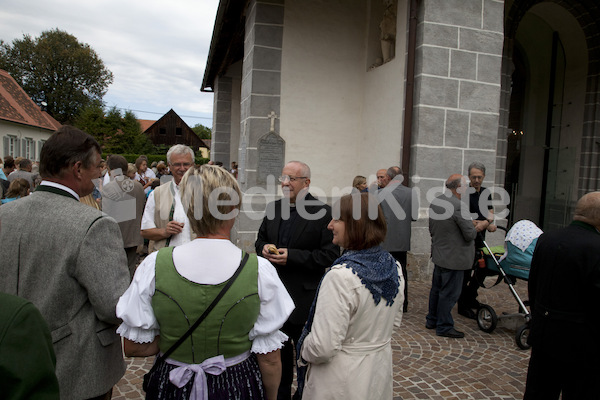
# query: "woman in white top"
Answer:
x=144 y=175
x=234 y=352
x=346 y=341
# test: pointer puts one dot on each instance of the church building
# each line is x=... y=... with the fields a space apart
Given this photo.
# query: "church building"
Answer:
x=353 y=86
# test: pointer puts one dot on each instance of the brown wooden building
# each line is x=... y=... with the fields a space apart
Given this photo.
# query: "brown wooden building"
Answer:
x=170 y=129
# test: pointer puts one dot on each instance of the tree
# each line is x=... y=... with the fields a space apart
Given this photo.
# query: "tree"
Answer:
x=116 y=133
x=56 y=69
x=202 y=131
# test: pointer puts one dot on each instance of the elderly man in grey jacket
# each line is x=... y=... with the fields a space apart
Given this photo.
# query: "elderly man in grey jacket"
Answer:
x=68 y=260
x=400 y=205
x=452 y=252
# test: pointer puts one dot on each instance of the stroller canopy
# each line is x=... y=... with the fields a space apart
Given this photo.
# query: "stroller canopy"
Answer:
x=520 y=243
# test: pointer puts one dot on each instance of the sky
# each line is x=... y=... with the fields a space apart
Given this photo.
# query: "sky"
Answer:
x=156 y=50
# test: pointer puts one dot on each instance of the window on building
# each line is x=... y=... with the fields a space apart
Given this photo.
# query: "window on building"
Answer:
x=178 y=132
x=28 y=148
x=40 y=144
x=11 y=146
x=162 y=131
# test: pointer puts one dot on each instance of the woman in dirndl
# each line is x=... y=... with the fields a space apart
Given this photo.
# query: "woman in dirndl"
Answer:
x=234 y=352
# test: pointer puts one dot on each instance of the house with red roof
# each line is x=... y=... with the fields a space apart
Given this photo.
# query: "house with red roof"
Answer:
x=24 y=126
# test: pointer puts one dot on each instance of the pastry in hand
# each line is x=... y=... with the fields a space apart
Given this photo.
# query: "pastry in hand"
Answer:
x=272 y=249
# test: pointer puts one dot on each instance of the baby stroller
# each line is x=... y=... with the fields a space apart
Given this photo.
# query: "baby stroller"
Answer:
x=510 y=263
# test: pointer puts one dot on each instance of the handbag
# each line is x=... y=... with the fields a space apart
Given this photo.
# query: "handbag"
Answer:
x=160 y=359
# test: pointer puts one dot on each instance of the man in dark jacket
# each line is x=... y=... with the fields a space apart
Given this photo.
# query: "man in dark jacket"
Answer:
x=564 y=293
x=295 y=228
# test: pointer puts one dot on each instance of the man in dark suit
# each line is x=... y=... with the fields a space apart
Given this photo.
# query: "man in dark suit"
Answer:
x=297 y=227
x=67 y=259
x=452 y=250
x=564 y=293
x=400 y=206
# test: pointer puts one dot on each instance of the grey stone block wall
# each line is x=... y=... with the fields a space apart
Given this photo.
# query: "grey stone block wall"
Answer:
x=260 y=94
x=221 y=132
x=457 y=100
x=261 y=81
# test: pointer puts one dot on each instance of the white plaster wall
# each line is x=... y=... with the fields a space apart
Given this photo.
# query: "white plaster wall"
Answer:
x=23 y=132
x=335 y=115
x=384 y=106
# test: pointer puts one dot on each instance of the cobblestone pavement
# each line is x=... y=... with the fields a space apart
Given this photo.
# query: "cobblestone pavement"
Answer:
x=480 y=366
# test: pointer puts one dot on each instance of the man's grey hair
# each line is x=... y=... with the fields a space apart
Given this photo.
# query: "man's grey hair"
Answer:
x=180 y=149
x=454 y=184
x=477 y=165
x=305 y=167
x=392 y=172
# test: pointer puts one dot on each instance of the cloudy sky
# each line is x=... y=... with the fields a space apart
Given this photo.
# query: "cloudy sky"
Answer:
x=156 y=50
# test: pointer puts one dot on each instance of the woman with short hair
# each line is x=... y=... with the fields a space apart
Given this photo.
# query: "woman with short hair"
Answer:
x=360 y=183
x=234 y=352
x=346 y=341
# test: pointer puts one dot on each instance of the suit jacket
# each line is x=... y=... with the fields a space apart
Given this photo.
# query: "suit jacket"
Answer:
x=124 y=200
x=310 y=252
x=68 y=260
x=28 y=176
x=564 y=292
x=452 y=233
x=397 y=203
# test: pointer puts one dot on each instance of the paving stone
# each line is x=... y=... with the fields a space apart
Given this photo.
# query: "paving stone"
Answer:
x=480 y=366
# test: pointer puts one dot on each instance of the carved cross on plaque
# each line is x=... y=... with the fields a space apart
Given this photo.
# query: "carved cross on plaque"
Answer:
x=273 y=116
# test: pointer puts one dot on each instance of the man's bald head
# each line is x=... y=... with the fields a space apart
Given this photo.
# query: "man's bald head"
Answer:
x=455 y=183
x=382 y=178
x=588 y=209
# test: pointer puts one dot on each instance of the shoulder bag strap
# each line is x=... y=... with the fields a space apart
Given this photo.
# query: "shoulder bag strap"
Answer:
x=172 y=212
x=208 y=309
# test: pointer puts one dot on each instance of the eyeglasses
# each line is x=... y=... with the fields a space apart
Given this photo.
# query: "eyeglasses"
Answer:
x=285 y=178
x=181 y=164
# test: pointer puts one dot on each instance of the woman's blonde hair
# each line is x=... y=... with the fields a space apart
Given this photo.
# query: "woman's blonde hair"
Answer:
x=212 y=197
x=358 y=180
x=131 y=169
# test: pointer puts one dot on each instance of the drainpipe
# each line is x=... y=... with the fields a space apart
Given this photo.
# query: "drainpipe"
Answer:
x=410 y=81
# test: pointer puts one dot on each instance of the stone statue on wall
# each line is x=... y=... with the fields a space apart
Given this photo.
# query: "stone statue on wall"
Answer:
x=387 y=28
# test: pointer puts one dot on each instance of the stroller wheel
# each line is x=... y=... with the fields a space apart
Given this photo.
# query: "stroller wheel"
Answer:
x=521 y=337
x=486 y=318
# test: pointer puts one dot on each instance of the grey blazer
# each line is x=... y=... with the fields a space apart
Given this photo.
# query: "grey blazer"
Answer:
x=452 y=233
x=399 y=204
x=68 y=259
x=124 y=200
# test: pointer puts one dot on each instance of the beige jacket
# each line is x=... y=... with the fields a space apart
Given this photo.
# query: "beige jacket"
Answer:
x=348 y=349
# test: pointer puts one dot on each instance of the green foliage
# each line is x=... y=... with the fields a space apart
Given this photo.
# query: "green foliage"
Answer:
x=116 y=133
x=57 y=69
x=202 y=131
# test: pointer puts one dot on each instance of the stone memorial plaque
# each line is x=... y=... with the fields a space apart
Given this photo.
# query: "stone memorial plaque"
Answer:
x=271 y=152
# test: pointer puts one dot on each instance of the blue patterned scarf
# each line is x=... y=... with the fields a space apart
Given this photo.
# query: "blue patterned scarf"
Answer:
x=376 y=269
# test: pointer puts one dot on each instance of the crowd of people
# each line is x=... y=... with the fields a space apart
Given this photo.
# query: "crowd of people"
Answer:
x=321 y=295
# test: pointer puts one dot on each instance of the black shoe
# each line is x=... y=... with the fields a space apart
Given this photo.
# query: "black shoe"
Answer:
x=467 y=312
x=452 y=333
x=428 y=326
